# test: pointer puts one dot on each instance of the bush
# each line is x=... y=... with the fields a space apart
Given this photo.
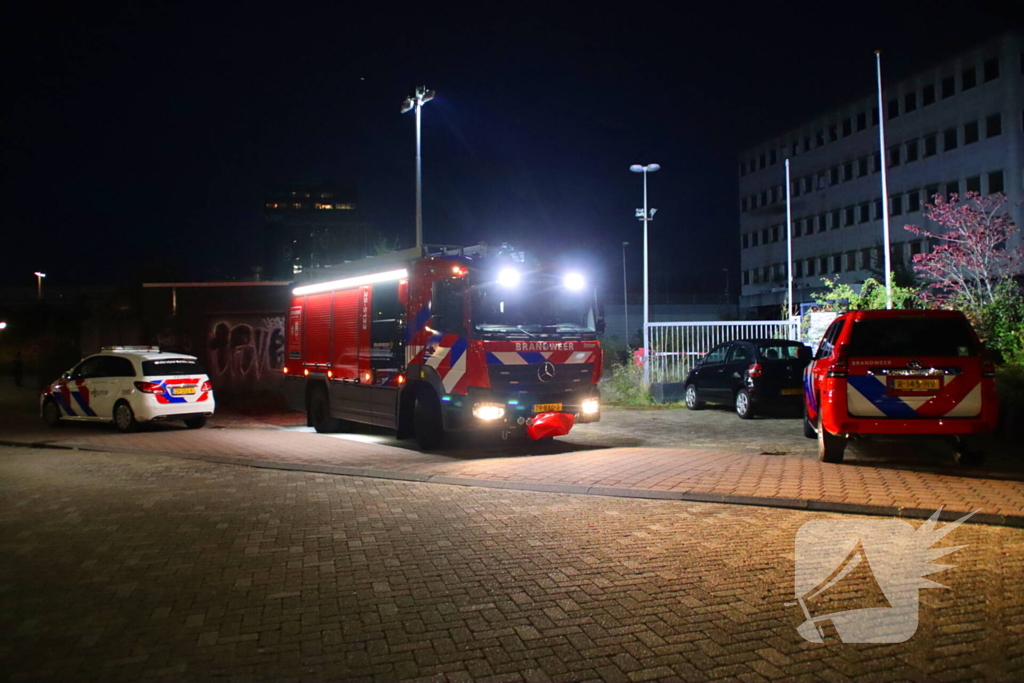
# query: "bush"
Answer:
x=625 y=386
x=1000 y=324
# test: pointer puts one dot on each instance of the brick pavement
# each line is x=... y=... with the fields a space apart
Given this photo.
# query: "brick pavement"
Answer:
x=680 y=472
x=129 y=567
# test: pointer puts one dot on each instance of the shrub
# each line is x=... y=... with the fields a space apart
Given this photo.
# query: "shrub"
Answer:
x=625 y=386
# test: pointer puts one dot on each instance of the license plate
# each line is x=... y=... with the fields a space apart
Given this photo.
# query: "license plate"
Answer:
x=183 y=391
x=546 y=407
x=916 y=384
x=792 y=392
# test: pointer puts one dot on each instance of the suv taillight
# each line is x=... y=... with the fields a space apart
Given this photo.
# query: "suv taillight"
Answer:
x=207 y=386
x=839 y=365
x=755 y=370
x=988 y=368
x=149 y=387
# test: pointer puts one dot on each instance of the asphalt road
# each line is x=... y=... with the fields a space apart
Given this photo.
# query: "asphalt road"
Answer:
x=140 y=567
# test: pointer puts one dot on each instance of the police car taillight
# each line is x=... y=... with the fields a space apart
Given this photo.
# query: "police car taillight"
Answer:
x=207 y=386
x=149 y=387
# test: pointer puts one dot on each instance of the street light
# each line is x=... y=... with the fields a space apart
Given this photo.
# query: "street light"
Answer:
x=421 y=97
x=645 y=216
x=625 y=292
x=39 y=284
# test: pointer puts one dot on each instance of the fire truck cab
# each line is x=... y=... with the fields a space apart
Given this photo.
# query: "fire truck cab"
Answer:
x=461 y=339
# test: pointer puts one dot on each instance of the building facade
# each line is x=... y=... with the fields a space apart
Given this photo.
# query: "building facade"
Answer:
x=311 y=227
x=953 y=128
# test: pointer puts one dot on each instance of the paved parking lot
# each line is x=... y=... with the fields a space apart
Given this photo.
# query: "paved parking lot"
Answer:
x=141 y=567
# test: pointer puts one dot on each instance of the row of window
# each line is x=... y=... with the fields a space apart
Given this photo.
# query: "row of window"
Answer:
x=903 y=153
x=867 y=258
x=896 y=106
x=301 y=205
x=909 y=202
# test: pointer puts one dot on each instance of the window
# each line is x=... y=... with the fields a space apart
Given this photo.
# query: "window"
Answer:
x=822 y=180
x=170 y=366
x=753 y=201
x=764 y=236
x=773 y=157
x=808 y=183
x=837 y=263
x=930 y=145
x=823 y=264
x=716 y=355
x=897 y=205
x=743 y=205
x=835 y=219
x=821 y=222
x=948 y=87
x=744 y=241
x=865 y=258
x=753 y=238
x=928 y=95
x=915 y=248
x=864 y=213
x=910 y=102
x=761 y=161
x=819 y=138
x=991 y=69
x=796 y=188
x=930 y=192
x=775 y=233
x=848 y=214
x=807 y=144
x=893 y=108
x=878 y=209
x=833 y=133
x=969 y=79
x=764 y=197
x=809 y=267
x=949 y=139
x=970 y=132
x=848 y=171
x=793 y=148
x=952 y=188
x=995 y=182
x=847 y=127
x=851 y=260
x=993 y=125
x=862 y=121
x=746 y=277
x=974 y=184
x=894 y=156
x=862 y=167
x=876 y=162
x=913 y=201
x=797 y=228
x=833 y=175
x=912 y=151
x=874 y=116
x=798 y=269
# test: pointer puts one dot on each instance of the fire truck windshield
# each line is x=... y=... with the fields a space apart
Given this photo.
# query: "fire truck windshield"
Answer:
x=535 y=306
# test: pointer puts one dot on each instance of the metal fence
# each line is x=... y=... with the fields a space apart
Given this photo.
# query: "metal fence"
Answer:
x=675 y=347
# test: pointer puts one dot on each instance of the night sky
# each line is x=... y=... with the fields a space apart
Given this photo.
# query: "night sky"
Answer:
x=138 y=138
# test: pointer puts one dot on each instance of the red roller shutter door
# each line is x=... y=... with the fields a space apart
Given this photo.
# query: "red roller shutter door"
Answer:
x=346 y=334
x=317 y=343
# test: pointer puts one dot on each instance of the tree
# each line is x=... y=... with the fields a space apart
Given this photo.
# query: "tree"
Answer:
x=839 y=296
x=971 y=265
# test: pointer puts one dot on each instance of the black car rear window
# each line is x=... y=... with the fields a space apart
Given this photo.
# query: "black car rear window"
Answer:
x=779 y=351
x=171 y=366
x=912 y=337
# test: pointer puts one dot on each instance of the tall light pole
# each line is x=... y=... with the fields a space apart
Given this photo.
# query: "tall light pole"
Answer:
x=885 y=186
x=726 y=270
x=625 y=292
x=646 y=216
x=39 y=284
x=418 y=99
x=789 y=247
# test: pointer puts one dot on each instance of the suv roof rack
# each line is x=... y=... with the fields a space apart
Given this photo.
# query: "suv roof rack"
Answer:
x=149 y=349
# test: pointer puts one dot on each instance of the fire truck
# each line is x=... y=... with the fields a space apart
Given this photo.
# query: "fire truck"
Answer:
x=448 y=340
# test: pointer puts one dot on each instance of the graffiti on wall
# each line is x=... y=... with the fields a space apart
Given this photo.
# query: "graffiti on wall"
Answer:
x=246 y=351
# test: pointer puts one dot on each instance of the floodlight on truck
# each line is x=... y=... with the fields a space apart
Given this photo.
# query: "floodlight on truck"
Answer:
x=509 y=277
x=351 y=282
x=574 y=282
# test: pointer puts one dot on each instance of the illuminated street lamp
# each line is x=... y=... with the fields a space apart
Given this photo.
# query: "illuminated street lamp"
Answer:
x=646 y=215
x=39 y=284
x=421 y=97
x=3 y=325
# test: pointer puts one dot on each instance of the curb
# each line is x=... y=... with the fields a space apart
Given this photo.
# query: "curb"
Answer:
x=1012 y=521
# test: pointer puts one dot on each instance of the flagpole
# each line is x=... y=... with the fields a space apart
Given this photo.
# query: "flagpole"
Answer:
x=885 y=185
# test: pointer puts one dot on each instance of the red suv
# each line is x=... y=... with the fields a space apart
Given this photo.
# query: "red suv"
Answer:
x=920 y=373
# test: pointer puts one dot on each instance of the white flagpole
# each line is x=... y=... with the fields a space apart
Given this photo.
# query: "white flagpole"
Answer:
x=885 y=185
x=789 y=247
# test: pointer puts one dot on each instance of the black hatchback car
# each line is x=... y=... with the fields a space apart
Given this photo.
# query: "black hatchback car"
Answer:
x=751 y=374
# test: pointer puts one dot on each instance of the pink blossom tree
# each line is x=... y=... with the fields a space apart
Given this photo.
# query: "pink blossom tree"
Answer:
x=970 y=265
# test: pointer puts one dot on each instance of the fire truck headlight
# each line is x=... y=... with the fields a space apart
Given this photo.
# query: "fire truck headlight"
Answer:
x=508 y=277
x=575 y=282
x=591 y=406
x=489 y=411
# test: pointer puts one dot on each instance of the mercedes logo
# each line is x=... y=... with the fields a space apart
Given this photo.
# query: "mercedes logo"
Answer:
x=546 y=372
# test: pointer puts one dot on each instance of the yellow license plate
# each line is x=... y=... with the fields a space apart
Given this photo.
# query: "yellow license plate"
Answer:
x=183 y=391
x=917 y=384
x=547 y=407
x=792 y=392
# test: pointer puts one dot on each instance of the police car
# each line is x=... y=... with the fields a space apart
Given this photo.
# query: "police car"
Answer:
x=129 y=385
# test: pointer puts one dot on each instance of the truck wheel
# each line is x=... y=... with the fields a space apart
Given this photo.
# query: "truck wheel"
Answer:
x=830 y=446
x=809 y=431
x=124 y=417
x=692 y=402
x=51 y=414
x=744 y=406
x=429 y=424
x=320 y=413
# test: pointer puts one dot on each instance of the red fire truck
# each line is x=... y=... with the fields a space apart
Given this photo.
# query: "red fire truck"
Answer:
x=458 y=340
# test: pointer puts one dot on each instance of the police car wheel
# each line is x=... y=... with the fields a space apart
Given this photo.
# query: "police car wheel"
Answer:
x=197 y=422
x=51 y=414
x=124 y=418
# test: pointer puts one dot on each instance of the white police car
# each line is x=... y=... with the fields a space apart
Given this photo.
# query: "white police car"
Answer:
x=128 y=385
